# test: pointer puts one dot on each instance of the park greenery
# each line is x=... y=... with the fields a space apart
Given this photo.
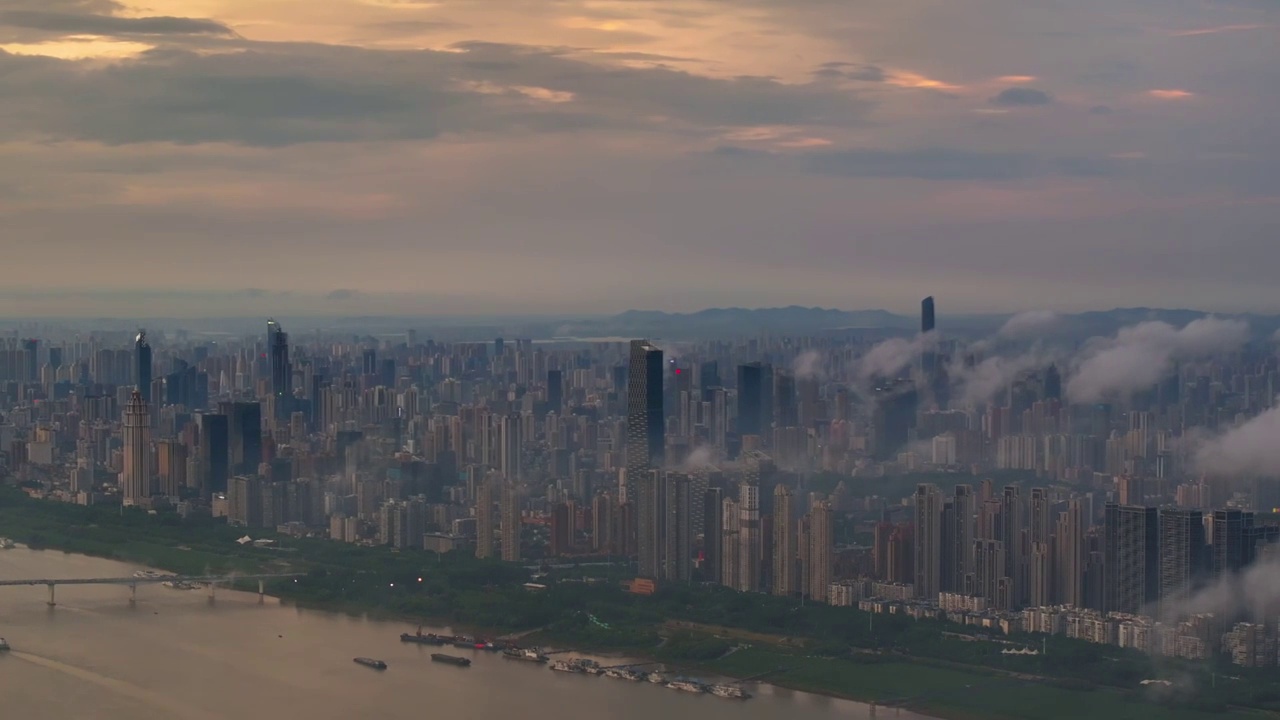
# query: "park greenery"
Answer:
x=933 y=666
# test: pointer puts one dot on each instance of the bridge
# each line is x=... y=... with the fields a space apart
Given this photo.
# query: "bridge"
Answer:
x=133 y=582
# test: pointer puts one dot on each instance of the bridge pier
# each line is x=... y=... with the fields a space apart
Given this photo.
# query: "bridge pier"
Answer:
x=262 y=591
x=133 y=593
x=52 y=602
x=212 y=590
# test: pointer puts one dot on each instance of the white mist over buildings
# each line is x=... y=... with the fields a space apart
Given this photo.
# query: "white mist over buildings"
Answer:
x=1141 y=355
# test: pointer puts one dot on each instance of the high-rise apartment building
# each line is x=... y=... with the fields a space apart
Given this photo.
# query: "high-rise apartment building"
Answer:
x=928 y=543
x=1072 y=556
x=964 y=507
x=1132 y=558
x=677 y=527
x=1184 y=555
x=511 y=523
x=819 y=551
x=484 y=518
x=784 y=543
x=749 y=539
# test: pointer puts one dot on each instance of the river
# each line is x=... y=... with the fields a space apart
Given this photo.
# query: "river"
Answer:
x=180 y=656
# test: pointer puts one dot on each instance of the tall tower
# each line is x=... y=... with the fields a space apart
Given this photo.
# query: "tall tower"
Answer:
x=281 y=371
x=784 y=539
x=135 y=480
x=645 y=440
x=927 y=319
x=928 y=548
x=142 y=366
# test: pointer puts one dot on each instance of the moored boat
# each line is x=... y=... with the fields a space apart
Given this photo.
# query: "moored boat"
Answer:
x=451 y=659
x=370 y=662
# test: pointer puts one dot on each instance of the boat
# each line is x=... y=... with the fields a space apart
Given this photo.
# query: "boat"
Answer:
x=729 y=691
x=370 y=662
x=149 y=574
x=451 y=659
x=655 y=678
x=4 y=645
x=569 y=666
x=178 y=585
x=623 y=674
x=528 y=654
x=591 y=667
x=462 y=641
x=692 y=686
x=423 y=639
x=7 y=544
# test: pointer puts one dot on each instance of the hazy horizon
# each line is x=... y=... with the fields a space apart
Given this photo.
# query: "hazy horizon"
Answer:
x=486 y=156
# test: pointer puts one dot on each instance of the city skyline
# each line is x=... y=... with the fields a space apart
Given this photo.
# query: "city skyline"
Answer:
x=489 y=156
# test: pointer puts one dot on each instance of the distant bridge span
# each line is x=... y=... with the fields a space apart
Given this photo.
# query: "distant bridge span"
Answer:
x=133 y=582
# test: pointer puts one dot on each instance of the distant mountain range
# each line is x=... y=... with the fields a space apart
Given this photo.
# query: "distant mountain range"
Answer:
x=713 y=323
x=736 y=322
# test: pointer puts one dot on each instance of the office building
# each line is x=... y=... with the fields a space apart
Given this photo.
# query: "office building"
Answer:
x=1132 y=558
x=645 y=448
x=784 y=543
x=136 y=482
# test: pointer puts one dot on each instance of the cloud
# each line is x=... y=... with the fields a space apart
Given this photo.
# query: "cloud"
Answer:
x=807 y=364
x=1253 y=593
x=1170 y=94
x=890 y=357
x=981 y=383
x=279 y=94
x=1021 y=97
x=1141 y=355
x=852 y=71
x=701 y=457
x=1251 y=448
x=73 y=23
x=1029 y=323
x=951 y=164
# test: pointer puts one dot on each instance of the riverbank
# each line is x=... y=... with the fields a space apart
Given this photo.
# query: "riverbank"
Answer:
x=828 y=651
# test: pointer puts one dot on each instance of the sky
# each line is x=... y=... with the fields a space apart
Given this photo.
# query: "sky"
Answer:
x=592 y=156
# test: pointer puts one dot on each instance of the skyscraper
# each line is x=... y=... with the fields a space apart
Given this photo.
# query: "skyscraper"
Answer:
x=135 y=479
x=712 y=534
x=645 y=441
x=784 y=543
x=142 y=366
x=509 y=460
x=927 y=318
x=281 y=371
x=750 y=399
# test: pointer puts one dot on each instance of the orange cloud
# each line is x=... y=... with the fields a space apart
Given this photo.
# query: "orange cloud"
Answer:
x=907 y=79
x=1016 y=78
x=1170 y=94
x=1216 y=30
